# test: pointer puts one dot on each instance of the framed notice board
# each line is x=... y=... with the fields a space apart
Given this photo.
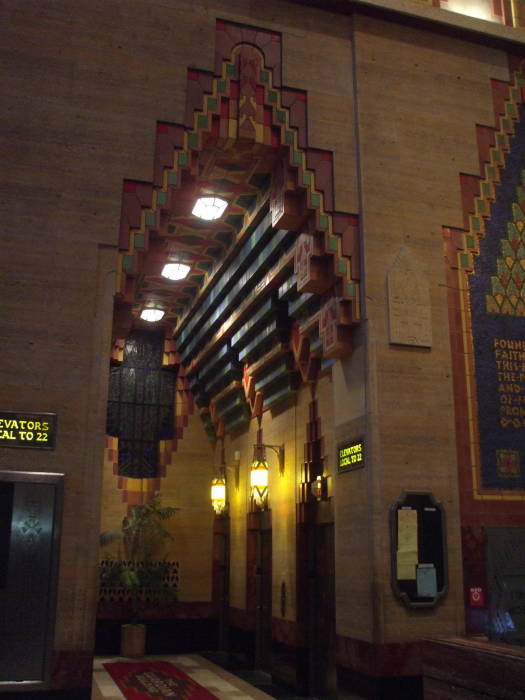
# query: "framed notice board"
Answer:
x=419 y=552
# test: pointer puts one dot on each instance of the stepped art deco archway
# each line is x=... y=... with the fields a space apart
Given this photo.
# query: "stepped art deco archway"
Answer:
x=273 y=290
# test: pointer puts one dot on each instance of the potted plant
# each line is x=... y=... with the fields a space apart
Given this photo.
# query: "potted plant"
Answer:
x=137 y=569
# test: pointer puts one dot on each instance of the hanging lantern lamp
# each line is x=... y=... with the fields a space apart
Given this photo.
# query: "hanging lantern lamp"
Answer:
x=218 y=494
x=259 y=477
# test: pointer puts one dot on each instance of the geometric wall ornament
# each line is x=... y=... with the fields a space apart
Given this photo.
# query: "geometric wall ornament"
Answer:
x=486 y=330
x=144 y=387
x=486 y=276
x=281 y=265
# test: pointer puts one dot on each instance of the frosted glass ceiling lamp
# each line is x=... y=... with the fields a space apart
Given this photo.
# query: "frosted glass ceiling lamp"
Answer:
x=209 y=208
x=151 y=315
x=175 y=271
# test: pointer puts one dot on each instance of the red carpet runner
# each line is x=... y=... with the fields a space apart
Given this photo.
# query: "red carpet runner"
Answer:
x=155 y=680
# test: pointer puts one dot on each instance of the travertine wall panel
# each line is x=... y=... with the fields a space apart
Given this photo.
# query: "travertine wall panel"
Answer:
x=434 y=92
x=187 y=485
x=352 y=500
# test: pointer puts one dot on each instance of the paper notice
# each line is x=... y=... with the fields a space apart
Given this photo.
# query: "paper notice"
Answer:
x=426 y=580
x=407 y=530
x=406 y=544
x=406 y=565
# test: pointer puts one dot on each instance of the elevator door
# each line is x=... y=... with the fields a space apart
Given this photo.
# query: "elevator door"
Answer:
x=29 y=504
x=259 y=585
x=322 y=650
x=263 y=617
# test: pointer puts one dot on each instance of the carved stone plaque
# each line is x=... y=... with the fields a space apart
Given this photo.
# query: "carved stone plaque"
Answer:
x=409 y=311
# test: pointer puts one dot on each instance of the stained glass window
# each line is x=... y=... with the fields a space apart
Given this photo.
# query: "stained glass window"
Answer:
x=140 y=405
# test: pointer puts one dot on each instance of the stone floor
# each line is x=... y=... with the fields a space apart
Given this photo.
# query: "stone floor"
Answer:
x=221 y=683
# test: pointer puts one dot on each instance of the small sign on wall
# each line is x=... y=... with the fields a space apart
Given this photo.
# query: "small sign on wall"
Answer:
x=350 y=456
x=476 y=597
x=34 y=430
x=419 y=557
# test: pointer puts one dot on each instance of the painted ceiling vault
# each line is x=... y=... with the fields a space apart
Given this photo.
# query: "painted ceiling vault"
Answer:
x=273 y=289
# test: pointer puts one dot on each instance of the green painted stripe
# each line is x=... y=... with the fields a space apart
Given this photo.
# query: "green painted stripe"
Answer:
x=351 y=290
x=332 y=244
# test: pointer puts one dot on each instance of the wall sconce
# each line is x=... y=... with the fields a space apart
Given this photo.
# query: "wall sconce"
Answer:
x=279 y=451
x=209 y=208
x=151 y=314
x=218 y=486
x=317 y=488
x=175 y=271
x=259 y=478
x=259 y=472
x=218 y=494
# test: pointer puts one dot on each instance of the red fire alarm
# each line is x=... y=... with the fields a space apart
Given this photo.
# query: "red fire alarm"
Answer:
x=476 y=597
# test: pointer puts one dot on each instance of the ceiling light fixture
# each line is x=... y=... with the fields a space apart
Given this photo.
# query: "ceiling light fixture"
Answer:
x=175 y=271
x=209 y=208
x=151 y=314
